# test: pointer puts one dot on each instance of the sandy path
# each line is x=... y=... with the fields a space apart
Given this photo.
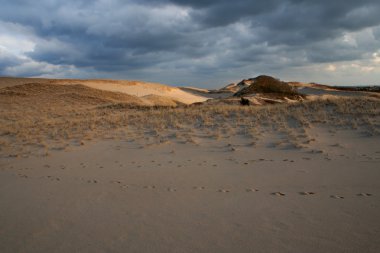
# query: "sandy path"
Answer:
x=115 y=196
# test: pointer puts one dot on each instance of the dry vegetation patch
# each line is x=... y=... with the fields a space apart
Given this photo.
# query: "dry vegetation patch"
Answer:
x=35 y=117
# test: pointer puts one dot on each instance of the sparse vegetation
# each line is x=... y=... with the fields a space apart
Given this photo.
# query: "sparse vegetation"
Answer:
x=35 y=118
x=268 y=85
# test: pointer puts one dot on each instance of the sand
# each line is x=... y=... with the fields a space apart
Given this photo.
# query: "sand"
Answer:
x=89 y=170
x=134 y=88
x=123 y=196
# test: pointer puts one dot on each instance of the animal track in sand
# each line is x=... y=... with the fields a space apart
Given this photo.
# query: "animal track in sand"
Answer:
x=22 y=175
x=169 y=189
x=224 y=190
x=363 y=194
x=281 y=194
x=92 y=181
x=307 y=193
x=251 y=190
x=199 y=187
x=336 y=197
x=53 y=178
x=25 y=169
x=151 y=187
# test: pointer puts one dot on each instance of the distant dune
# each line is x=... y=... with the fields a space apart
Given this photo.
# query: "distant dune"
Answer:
x=135 y=88
x=30 y=94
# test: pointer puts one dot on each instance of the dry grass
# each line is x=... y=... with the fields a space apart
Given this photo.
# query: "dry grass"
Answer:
x=41 y=118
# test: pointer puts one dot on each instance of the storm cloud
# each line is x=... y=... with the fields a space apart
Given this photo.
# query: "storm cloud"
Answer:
x=206 y=43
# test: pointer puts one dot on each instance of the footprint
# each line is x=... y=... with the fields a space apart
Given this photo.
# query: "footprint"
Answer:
x=224 y=190
x=307 y=193
x=92 y=181
x=169 y=189
x=149 y=187
x=336 y=197
x=278 y=194
x=251 y=190
x=363 y=194
x=199 y=187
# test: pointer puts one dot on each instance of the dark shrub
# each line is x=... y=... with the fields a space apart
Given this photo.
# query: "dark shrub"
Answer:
x=244 y=101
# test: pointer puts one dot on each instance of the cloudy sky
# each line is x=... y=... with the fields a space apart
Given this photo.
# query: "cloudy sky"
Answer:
x=192 y=42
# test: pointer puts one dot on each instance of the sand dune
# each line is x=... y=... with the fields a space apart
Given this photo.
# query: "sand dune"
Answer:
x=135 y=88
x=83 y=169
x=139 y=89
x=156 y=100
x=58 y=95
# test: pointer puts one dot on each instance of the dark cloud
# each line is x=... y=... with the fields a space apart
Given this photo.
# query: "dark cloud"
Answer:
x=200 y=36
x=8 y=60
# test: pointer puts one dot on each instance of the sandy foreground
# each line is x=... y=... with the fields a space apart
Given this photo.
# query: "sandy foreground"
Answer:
x=126 y=196
x=84 y=169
